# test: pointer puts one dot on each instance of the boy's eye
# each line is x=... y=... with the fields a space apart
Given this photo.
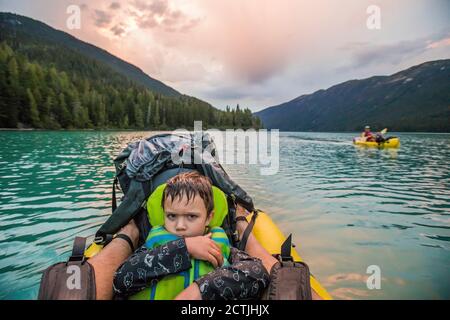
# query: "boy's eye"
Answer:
x=192 y=216
x=171 y=216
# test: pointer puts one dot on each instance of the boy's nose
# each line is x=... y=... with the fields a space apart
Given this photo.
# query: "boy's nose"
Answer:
x=180 y=225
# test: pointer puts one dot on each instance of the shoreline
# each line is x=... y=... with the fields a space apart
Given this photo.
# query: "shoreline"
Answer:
x=169 y=130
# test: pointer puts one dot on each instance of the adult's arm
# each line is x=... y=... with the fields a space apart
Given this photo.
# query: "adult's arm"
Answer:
x=253 y=247
x=146 y=266
x=106 y=262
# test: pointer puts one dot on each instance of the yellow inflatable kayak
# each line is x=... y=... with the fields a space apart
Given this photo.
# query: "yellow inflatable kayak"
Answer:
x=269 y=236
x=389 y=143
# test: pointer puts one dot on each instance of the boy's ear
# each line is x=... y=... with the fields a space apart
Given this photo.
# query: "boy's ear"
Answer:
x=209 y=218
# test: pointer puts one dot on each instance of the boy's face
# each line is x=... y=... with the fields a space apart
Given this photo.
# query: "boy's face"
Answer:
x=186 y=219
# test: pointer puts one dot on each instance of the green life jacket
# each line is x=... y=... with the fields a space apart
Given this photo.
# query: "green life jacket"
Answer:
x=171 y=285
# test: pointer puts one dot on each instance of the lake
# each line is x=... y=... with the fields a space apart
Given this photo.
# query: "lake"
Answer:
x=347 y=207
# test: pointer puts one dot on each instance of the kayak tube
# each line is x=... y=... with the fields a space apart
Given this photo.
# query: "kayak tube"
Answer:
x=271 y=238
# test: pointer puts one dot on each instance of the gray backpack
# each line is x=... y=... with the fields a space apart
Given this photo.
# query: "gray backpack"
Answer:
x=71 y=280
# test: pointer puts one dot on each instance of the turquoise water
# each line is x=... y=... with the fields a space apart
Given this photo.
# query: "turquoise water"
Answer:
x=346 y=207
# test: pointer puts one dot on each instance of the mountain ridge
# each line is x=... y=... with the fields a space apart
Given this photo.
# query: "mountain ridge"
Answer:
x=48 y=33
x=52 y=80
x=414 y=99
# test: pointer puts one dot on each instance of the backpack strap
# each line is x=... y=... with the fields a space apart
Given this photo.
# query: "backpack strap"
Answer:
x=243 y=243
x=114 y=200
x=128 y=208
x=79 y=245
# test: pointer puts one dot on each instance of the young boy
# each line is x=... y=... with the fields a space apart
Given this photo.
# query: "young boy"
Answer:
x=165 y=270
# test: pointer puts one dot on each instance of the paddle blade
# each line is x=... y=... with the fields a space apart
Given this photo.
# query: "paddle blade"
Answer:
x=384 y=131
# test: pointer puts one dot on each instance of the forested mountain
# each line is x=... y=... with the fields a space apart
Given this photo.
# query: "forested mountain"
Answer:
x=416 y=99
x=45 y=83
x=27 y=29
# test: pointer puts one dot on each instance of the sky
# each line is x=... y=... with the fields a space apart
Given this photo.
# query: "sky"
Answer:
x=257 y=53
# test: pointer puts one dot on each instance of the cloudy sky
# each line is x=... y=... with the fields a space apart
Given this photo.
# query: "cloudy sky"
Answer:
x=256 y=53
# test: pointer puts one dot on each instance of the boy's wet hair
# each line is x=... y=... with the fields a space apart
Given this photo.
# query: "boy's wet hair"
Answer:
x=190 y=184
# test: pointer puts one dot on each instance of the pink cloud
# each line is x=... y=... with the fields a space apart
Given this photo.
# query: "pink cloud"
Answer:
x=439 y=44
x=114 y=5
x=102 y=18
x=160 y=14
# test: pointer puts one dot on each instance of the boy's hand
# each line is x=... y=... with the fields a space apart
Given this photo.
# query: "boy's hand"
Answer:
x=203 y=248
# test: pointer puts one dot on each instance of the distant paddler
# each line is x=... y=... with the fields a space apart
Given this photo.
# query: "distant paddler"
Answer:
x=368 y=136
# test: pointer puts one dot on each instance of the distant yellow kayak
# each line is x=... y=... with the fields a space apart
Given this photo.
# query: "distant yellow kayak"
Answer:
x=389 y=143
